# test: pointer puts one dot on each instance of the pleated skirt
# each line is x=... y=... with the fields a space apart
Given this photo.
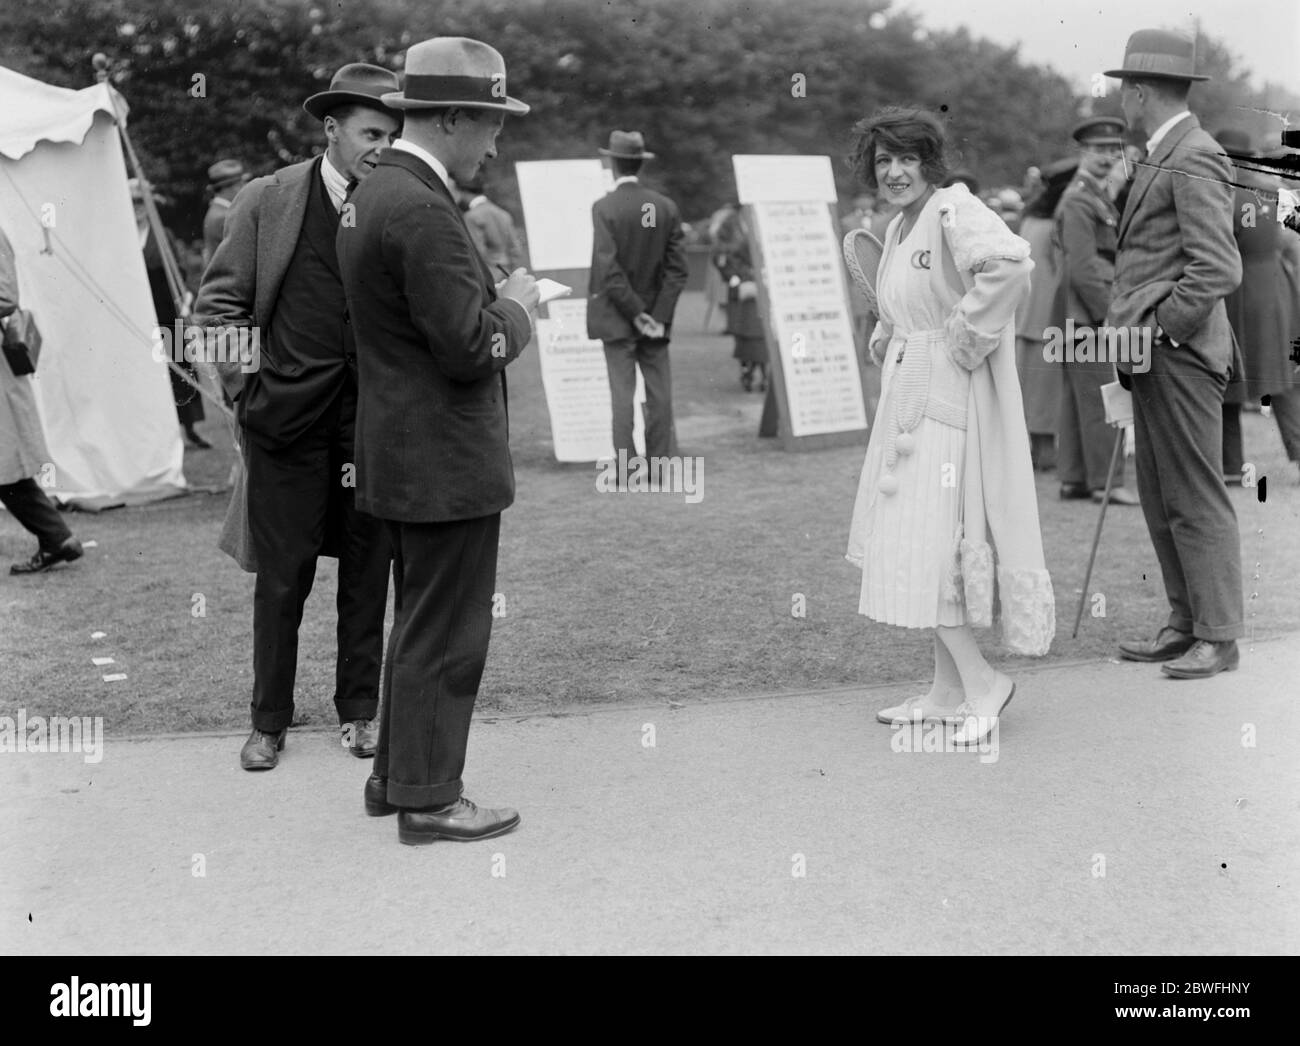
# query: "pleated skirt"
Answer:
x=907 y=542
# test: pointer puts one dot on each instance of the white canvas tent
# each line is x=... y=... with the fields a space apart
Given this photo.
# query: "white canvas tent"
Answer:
x=105 y=401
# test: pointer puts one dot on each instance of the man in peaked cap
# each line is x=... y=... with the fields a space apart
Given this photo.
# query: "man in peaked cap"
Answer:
x=276 y=272
x=1176 y=262
x=638 y=271
x=225 y=179
x=435 y=333
x=1087 y=225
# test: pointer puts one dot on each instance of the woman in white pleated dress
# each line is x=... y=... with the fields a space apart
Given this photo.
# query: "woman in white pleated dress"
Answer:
x=946 y=480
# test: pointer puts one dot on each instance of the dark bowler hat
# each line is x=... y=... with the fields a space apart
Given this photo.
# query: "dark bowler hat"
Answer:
x=226 y=172
x=454 y=71
x=627 y=145
x=355 y=84
x=1099 y=130
x=1161 y=54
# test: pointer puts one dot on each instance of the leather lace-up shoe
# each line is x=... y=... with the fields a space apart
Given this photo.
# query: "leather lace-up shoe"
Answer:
x=43 y=560
x=1167 y=645
x=262 y=750
x=360 y=737
x=462 y=821
x=1075 y=491
x=376 y=795
x=1206 y=658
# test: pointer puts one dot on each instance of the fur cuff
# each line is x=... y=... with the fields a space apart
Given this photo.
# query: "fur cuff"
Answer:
x=967 y=345
x=977 y=576
x=1028 y=609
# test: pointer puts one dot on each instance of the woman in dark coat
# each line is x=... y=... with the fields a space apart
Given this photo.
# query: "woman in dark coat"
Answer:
x=733 y=261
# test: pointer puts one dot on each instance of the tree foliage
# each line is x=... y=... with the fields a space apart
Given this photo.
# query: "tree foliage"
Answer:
x=702 y=80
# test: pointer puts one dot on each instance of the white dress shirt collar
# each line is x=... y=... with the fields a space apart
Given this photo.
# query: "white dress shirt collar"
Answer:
x=1164 y=129
x=475 y=202
x=420 y=153
x=625 y=178
x=335 y=184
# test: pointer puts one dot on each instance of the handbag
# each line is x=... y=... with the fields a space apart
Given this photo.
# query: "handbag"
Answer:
x=22 y=342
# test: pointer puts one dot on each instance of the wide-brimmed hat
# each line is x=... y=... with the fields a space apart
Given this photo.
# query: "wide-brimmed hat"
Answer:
x=1160 y=54
x=355 y=84
x=226 y=172
x=454 y=71
x=627 y=145
x=1099 y=130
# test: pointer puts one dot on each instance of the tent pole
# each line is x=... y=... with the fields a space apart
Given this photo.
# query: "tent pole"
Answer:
x=181 y=298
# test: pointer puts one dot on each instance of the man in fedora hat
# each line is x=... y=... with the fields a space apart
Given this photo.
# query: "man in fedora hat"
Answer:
x=434 y=336
x=276 y=271
x=638 y=270
x=225 y=179
x=1087 y=224
x=1176 y=262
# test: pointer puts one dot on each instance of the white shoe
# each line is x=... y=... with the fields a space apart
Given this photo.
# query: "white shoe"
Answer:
x=978 y=718
x=921 y=707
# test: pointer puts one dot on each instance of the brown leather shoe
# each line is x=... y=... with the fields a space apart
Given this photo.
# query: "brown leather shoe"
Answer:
x=262 y=750
x=1167 y=645
x=1205 y=659
x=43 y=560
x=462 y=821
x=376 y=797
x=360 y=737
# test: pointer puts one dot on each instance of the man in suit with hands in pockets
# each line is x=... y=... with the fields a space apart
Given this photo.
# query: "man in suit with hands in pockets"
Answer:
x=434 y=336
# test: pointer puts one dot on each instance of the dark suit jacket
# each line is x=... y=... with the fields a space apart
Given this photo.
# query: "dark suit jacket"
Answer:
x=638 y=261
x=1177 y=257
x=242 y=282
x=433 y=342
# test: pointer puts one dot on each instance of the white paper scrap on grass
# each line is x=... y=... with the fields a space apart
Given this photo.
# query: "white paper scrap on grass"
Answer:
x=784 y=179
x=90 y=544
x=101 y=661
x=556 y=196
x=576 y=382
x=116 y=677
x=97 y=635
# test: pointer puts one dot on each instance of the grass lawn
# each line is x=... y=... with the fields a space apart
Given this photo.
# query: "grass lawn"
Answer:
x=608 y=597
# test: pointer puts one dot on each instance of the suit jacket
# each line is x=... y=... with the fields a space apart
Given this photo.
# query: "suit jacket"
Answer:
x=493 y=231
x=1177 y=256
x=638 y=261
x=433 y=343
x=242 y=282
x=1087 y=231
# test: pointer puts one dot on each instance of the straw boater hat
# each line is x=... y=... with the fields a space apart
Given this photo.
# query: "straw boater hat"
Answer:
x=454 y=71
x=1159 y=54
x=355 y=84
x=627 y=145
